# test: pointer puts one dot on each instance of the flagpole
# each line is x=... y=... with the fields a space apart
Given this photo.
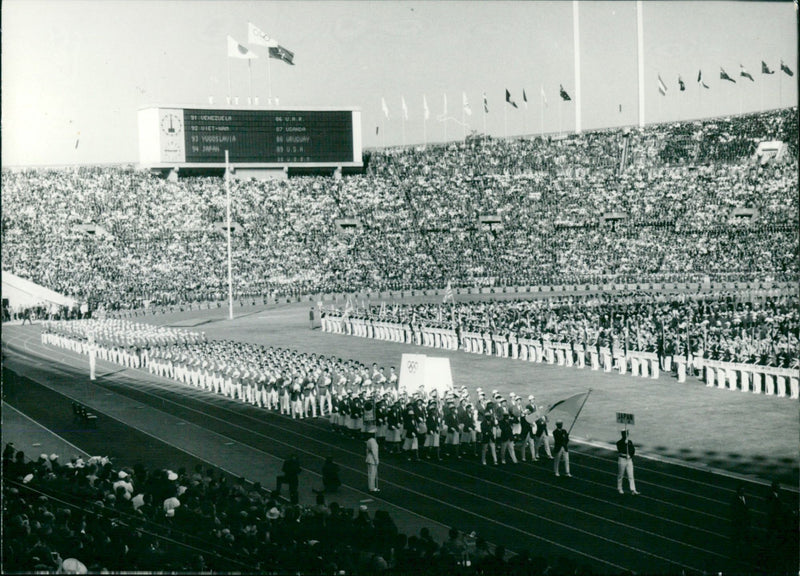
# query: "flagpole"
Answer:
x=424 y=131
x=250 y=81
x=484 y=117
x=699 y=100
x=740 y=101
x=523 y=117
x=560 y=106
x=541 y=111
x=505 y=121
x=269 y=78
x=404 y=130
x=228 y=218
x=463 y=123
x=230 y=96
x=660 y=119
x=579 y=411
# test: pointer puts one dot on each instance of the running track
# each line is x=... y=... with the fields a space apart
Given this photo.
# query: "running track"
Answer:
x=678 y=523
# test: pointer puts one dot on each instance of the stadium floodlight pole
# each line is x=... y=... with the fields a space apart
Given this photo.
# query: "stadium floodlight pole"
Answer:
x=576 y=37
x=640 y=57
x=228 y=216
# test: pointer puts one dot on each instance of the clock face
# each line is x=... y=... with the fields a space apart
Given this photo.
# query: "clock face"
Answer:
x=171 y=125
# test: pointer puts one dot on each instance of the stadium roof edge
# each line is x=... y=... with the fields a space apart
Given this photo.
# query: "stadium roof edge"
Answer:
x=593 y=130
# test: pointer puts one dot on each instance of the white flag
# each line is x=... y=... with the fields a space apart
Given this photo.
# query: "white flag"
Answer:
x=465 y=103
x=544 y=96
x=405 y=108
x=444 y=99
x=425 y=107
x=236 y=50
x=258 y=37
x=384 y=107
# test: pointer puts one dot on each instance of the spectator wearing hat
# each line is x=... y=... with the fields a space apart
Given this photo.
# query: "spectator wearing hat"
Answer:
x=373 y=459
x=170 y=505
x=625 y=452
x=561 y=447
x=123 y=481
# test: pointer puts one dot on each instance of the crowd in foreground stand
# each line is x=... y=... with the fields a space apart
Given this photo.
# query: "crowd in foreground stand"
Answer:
x=596 y=207
x=638 y=332
x=93 y=515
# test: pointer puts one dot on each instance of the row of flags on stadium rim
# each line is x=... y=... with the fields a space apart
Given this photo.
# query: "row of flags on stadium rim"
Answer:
x=257 y=37
x=723 y=75
x=465 y=107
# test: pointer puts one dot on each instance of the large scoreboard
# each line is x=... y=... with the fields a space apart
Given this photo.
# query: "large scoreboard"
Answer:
x=199 y=137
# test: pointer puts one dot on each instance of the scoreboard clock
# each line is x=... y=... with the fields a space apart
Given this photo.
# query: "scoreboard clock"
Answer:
x=196 y=137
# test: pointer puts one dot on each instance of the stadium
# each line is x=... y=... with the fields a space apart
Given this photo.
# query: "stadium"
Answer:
x=502 y=349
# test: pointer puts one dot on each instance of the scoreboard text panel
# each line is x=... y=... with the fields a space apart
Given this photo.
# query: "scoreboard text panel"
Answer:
x=270 y=137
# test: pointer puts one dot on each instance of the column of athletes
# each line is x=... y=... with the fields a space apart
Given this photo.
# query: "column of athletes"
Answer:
x=359 y=401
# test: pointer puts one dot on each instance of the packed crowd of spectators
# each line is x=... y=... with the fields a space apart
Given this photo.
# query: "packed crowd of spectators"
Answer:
x=673 y=202
x=759 y=327
x=93 y=515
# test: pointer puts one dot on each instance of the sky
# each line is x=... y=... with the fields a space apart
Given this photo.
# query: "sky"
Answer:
x=75 y=73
